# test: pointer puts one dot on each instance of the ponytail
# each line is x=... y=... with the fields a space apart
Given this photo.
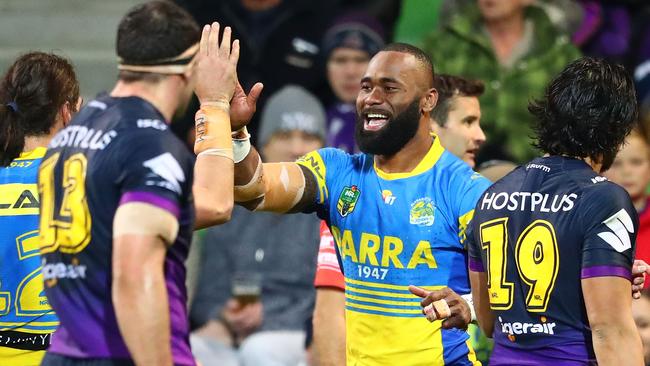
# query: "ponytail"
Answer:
x=12 y=134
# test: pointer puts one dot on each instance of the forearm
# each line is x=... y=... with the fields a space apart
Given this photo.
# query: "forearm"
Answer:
x=617 y=344
x=484 y=314
x=213 y=170
x=142 y=309
x=213 y=190
x=329 y=328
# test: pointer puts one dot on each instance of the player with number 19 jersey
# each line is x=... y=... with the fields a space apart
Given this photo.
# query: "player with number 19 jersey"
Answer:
x=392 y=231
x=115 y=151
x=537 y=232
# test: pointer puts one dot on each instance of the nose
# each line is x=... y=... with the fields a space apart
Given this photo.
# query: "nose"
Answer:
x=374 y=97
x=479 y=135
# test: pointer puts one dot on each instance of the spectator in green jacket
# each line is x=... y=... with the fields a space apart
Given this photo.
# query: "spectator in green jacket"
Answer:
x=513 y=47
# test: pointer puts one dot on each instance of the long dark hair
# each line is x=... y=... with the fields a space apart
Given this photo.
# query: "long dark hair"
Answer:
x=32 y=92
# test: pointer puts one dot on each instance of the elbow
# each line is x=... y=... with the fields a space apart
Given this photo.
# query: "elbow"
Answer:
x=214 y=214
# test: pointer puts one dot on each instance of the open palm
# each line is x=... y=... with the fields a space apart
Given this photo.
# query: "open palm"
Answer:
x=242 y=106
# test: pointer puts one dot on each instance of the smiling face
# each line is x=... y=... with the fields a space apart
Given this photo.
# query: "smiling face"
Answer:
x=390 y=105
x=461 y=134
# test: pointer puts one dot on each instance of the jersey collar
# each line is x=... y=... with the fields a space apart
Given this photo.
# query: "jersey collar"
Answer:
x=425 y=164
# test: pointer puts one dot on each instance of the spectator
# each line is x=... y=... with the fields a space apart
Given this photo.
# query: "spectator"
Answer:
x=348 y=45
x=631 y=170
x=280 y=42
x=267 y=250
x=513 y=47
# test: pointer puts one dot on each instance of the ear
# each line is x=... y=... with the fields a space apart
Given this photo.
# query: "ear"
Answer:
x=430 y=100
x=66 y=112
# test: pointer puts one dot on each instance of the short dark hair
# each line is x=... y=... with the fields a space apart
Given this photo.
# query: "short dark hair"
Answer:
x=586 y=111
x=450 y=86
x=420 y=55
x=153 y=31
x=32 y=92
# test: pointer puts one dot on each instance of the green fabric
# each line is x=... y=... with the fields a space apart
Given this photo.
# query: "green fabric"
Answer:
x=462 y=48
x=481 y=344
x=417 y=18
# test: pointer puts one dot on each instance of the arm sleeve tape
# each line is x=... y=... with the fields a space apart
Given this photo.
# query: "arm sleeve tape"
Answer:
x=468 y=299
x=145 y=219
x=281 y=186
x=212 y=129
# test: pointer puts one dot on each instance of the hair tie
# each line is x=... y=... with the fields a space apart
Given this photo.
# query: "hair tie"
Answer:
x=13 y=106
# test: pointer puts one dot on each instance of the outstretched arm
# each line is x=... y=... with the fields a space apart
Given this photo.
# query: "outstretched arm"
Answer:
x=276 y=187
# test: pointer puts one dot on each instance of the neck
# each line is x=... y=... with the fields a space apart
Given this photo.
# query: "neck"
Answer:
x=410 y=155
x=508 y=27
x=158 y=95
x=32 y=142
x=640 y=202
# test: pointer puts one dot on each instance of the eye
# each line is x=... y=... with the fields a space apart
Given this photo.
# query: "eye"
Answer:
x=365 y=87
x=389 y=88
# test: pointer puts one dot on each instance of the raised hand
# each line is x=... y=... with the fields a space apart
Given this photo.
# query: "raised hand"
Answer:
x=216 y=68
x=242 y=106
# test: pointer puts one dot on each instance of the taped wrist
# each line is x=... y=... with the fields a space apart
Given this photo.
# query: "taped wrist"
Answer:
x=468 y=299
x=241 y=144
x=253 y=189
x=212 y=122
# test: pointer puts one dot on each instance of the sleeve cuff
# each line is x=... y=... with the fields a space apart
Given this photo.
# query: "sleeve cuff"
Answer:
x=475 y=265
x=606 y=271
x=152 y=199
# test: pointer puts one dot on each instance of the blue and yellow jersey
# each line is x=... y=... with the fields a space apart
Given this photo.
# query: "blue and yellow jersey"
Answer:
x=26 y=318
x=391 y=231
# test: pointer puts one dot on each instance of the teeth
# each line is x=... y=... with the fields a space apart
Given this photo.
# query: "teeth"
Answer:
x=377 y=115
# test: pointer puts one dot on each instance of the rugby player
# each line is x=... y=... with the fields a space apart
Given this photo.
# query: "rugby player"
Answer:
x=552 y=244
x=38 y=96
x=412 y=237
x=116 y=186
x=456 y=121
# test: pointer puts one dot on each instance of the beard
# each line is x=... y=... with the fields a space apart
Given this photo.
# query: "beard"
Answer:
x=393 y=136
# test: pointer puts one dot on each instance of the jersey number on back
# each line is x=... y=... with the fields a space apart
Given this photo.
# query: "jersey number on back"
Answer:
x=536 y=258
x=67 y=230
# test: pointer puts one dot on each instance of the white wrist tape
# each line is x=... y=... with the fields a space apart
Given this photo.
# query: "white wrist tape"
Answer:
x=226 y=153
x=468 y=299
x=241 y=146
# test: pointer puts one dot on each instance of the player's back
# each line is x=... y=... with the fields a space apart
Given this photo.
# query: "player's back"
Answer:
x=26 y=318
x=537 y=233
x=116 y=150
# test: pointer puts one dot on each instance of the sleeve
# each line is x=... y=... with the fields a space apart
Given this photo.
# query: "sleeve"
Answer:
x=324 y=164
x=467 y=196
x=611 y=224
x=155 y=170
x=328 y=270
x=474 y=251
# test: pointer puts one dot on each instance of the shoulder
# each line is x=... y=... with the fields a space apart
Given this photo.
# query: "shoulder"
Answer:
x=330 y=158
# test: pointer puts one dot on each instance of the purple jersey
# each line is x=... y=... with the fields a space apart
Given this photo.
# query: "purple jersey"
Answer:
x=116 y=150
x=537 y=233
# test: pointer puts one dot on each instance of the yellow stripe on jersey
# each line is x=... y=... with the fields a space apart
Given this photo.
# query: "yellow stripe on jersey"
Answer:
x=20 y=357
x=463 y=221
x=379 y=340
x=37 y=153
x=388 y=286
x=429 y=160
x=18 y=199
x=315 y=164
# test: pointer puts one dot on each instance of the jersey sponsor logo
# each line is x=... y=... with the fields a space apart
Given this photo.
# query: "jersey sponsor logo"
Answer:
x=538 y=166
x=21 y=164
x=348 y=200
x=383 y=251
x=387 y=197
x=315 y=164
x=528 y=201
x=152 y=123
x=83 y=137
x=166 y=167
x=518 y=328
x=621 y=226
x=422 y=212
x=598 y=179
x=55 y=271
x=18 y=199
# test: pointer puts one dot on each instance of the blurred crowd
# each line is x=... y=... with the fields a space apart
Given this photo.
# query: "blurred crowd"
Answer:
x=311 y=56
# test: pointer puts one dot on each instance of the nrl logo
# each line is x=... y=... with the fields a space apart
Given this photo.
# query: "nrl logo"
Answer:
x=422 y=212
x=348 y=200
